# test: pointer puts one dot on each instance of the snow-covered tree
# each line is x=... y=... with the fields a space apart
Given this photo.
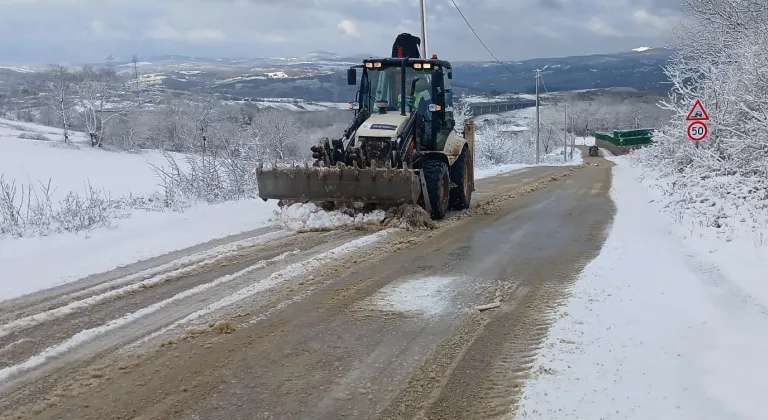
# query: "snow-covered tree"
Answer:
x=723 y=60
x=462 y=111
x=59 y=96
x=278 y=134
x=96 y=90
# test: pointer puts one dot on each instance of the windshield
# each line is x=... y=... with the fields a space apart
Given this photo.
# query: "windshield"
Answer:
x=384 y=85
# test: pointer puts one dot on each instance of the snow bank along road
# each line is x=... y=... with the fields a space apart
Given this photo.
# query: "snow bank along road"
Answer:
x=340 y=324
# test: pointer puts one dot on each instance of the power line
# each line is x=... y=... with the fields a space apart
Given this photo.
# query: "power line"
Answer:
x=478 y=37
x=488 y=49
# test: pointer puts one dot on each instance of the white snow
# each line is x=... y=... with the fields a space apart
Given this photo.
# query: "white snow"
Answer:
x=70 y=169
x=31 y=264
x=488 y=172
x=552 y=159
x=308 y=216
x=18 y=69
x=668 y=322
x=427 y=296
x=34 y=263
x=289 y=104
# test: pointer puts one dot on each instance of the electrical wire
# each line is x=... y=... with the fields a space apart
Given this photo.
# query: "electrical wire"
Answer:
x=478 y=37
x=488 y=49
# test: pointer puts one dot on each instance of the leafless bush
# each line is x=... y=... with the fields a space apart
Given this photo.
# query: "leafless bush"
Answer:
x=11 y=219
x=81 y=212
x=496 y=146
x=33 y=136
x=207 y=178
x=26 y=210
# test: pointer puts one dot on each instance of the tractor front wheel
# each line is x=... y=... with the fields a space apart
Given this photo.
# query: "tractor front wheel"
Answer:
x=438 y=187
x=461 y=194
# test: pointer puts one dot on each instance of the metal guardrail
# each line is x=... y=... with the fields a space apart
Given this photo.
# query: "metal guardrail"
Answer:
x=484 y=108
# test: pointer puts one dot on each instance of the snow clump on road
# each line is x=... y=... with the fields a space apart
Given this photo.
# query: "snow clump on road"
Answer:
x=309 y=217
x=303 y=217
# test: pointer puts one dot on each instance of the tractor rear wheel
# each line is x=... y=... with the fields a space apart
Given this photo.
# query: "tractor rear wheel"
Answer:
x=438 y=183
x=461 y=194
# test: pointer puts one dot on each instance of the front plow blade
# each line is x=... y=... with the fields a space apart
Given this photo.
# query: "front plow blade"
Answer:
x=339 y=184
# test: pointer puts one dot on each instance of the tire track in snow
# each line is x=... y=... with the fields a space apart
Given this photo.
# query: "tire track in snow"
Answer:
x=31 y=305
x=292 y=271
x=732 y=296
x=47 y=334
x=88 y=334
x=199 y=263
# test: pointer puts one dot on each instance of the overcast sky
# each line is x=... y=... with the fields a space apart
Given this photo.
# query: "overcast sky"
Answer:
x=76 y=31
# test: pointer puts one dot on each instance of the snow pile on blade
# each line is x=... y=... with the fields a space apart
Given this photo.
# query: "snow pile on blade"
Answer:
x=309 y=217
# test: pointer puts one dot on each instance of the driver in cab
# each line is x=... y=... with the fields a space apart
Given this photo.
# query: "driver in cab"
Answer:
x=421 y=98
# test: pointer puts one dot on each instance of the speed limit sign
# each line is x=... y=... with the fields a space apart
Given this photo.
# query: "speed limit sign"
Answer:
x=697 y=131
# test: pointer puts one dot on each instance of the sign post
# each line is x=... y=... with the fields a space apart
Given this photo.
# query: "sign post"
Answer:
x=698 y=117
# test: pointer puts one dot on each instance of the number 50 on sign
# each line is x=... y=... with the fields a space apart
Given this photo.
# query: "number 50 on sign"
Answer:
x=697 y=131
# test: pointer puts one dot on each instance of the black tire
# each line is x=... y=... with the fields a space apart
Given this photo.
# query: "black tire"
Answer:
x=438 y=182
x=461 y=194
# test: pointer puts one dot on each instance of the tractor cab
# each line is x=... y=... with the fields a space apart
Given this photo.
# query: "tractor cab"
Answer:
x=403 y=86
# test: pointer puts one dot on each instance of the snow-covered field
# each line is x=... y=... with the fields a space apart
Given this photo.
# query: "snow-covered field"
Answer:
x=33 y=263
x=553 y=159
x=293 y=104
x=668 y=322
x=30 y=161
x=476 y=99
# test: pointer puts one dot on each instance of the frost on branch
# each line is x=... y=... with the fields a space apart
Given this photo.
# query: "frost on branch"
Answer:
x=29 y=210
x=722 y=59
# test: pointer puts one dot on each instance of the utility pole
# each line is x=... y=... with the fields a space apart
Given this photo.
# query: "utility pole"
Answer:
x=538 y=143
x=424 y=28
x=573 y=139
x=136 y=78
x=565 y=140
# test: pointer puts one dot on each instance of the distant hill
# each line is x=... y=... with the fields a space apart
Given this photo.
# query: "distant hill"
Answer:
x=641 y=70
x=319 y=75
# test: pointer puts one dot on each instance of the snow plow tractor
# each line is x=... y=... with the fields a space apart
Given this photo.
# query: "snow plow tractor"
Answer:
x=400 y=148
x=594 y=151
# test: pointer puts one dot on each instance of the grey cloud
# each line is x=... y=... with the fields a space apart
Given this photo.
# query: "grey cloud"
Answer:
x=55 y=31
x=551 y=4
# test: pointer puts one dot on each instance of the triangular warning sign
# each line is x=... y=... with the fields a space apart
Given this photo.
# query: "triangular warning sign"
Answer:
x=697 y=112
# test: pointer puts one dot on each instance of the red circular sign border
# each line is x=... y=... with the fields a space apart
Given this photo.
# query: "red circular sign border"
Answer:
x=706 y=131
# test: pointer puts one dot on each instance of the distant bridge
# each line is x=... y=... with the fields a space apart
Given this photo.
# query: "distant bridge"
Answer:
x=482 y=108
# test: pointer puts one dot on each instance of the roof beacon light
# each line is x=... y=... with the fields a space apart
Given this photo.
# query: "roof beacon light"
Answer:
x=434 y=56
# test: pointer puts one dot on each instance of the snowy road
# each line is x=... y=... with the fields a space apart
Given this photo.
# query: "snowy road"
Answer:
x=336 y=324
